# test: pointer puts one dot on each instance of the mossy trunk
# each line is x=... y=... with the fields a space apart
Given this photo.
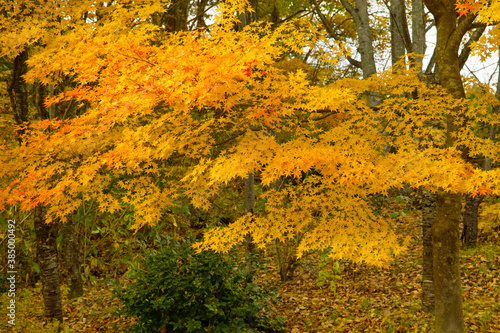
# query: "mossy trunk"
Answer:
x=445 y=229
x=446 y=264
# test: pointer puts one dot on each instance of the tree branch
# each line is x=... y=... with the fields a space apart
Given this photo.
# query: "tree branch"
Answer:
x=464 y=55
x=332 y=33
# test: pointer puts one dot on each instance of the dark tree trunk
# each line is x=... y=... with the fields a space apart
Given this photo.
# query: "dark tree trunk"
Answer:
x=72 y=260
x=18 y=91
x=249 y=208
x=428 y=215
x=200 y=14
x=41 y=90
x=470 y=229
x=46 y=235
x=176 y=16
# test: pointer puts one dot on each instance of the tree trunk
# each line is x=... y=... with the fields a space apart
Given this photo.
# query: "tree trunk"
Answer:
x=398 y=21
x=418 y=31
x=445 y=230
x=46 y=235
x=200 y=14
x=363 y=31
x=249 y=208
x=72 y=260
x=447 y=285
x=470 y=220
x=368 y=66
x=176 y=17
x=18 y=92
x=428 y=198
x=428 y=215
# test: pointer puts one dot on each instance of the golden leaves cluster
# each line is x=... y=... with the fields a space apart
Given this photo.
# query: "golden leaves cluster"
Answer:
x=184 y=114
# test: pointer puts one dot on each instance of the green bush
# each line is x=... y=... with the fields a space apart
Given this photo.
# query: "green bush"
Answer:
x=178 y=290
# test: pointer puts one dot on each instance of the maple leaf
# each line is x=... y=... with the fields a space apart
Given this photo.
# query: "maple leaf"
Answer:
x=468 y=6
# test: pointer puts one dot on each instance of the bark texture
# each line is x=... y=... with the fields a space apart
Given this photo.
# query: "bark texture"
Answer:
x=428 y=215
x=18 y=91
x=445 y=230
x=399 y=30
x=418 y=30
x=176 y=16
x=447 y=285
x=46 y=235
x=249 y=208
x=368 y=66
x=471 y=217
x=72 y=259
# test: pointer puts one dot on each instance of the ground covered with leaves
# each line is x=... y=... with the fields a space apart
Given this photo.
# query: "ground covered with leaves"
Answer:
x=323 y=296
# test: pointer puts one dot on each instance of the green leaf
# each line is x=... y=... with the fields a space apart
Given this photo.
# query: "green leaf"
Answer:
x=394 y=214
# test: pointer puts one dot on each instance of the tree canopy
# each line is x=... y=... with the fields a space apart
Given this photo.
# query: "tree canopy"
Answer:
x=165 y=115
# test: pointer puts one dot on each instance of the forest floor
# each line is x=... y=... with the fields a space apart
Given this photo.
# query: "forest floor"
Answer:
x=354 y=297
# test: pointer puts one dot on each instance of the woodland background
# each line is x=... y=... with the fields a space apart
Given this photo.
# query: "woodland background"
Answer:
x=260 y=166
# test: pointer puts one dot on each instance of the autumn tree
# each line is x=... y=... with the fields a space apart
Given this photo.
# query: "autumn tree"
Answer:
x=14 y=13
x=447 y=287
x=211 y=98
x=28 y=28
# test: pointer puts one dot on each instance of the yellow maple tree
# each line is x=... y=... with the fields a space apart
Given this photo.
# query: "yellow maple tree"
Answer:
x=187 y=113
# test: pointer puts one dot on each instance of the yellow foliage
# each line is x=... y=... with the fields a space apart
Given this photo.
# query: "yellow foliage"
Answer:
x=183 y=114
x=489 y=221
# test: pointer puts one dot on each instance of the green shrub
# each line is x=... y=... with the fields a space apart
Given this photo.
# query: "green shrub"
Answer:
x=178 y=290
